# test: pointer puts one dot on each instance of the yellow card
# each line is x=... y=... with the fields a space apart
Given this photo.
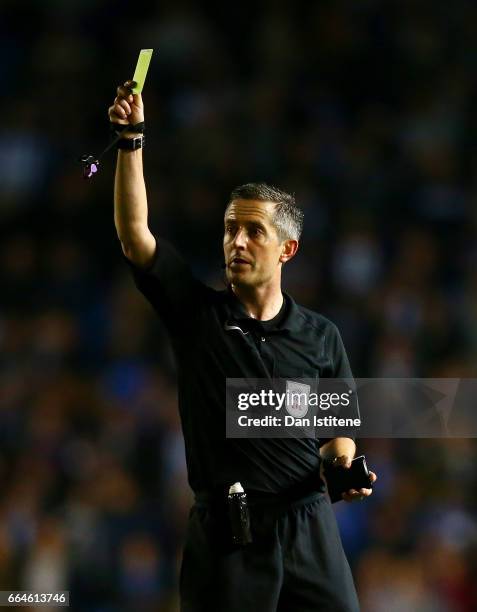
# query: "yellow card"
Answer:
x=142 y=65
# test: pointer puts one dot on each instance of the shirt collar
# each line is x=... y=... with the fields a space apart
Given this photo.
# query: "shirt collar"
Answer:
x=290 y=323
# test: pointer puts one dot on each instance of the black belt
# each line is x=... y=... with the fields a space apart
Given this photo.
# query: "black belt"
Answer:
x=295 y=496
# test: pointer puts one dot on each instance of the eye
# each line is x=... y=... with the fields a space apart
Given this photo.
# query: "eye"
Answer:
x=229 y=229
x=256 y=231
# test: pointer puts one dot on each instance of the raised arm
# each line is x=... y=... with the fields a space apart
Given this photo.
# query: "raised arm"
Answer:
x=130 y=199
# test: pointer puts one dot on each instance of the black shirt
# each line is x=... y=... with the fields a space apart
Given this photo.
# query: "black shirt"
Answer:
x=208 y=331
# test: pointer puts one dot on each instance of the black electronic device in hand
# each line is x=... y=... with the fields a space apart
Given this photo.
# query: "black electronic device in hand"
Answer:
x=340 y=479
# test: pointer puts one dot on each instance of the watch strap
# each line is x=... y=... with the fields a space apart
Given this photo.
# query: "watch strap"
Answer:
x=117 y=128
x=131 y=144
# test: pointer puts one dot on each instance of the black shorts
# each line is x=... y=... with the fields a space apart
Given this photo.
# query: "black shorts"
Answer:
x=295 y=563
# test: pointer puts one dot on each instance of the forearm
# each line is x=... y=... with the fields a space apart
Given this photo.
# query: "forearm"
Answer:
x=337 y=447
x=130 y=200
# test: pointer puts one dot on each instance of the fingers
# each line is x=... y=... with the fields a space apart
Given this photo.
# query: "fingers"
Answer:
x=125 y=90
x=119 y=111
x=353 y=496
x=116 y=115
x=122 y=107
x=356 y=495
x=360 y=494
x=127 y=107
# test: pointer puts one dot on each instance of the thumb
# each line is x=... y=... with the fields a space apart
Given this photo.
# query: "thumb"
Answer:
x=343 y=461
x=137 y=100
x=137 y=97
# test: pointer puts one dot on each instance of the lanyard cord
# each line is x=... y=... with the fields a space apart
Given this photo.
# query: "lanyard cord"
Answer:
x=91 y=162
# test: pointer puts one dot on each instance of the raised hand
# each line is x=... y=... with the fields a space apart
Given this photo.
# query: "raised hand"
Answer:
x=127 y=108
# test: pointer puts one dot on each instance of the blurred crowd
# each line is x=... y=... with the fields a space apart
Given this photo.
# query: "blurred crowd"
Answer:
x=367 y=112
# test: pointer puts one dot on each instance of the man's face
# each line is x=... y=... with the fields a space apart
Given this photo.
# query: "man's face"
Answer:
x=252 y=247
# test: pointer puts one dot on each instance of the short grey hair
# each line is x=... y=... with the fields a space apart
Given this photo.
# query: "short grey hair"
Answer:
x=287 y=216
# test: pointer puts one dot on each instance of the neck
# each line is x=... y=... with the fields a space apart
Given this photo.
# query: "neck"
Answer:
x=262 y=303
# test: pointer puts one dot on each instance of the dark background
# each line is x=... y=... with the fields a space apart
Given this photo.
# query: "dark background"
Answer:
x=366 y=111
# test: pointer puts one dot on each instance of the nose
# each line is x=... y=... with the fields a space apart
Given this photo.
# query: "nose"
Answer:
x=240 y=238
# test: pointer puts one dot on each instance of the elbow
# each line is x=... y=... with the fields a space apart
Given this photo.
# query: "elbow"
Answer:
x=140 y=252
x=133 y=254
x=128 y=249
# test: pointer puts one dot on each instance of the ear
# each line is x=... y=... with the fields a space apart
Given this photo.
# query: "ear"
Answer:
x=289 y=248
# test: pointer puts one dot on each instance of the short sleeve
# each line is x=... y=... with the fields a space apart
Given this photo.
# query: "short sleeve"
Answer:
x=168 y=284
x=341 y=369
x=338 y=356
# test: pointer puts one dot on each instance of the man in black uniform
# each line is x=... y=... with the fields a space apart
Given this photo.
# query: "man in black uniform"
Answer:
x=250 y=330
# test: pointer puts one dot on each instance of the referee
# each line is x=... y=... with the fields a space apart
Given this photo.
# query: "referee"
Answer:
x=250 y=330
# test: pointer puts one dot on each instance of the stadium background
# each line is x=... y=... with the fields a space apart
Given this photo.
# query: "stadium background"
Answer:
x=367 y=111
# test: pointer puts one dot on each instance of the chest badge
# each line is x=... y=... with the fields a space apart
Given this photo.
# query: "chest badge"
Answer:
x=297 y=396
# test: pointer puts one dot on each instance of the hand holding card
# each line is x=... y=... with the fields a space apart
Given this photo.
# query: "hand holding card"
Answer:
x=126 y=116
x=342 y=480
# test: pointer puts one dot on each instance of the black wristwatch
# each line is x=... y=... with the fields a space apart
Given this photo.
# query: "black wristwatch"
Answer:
x=131 y=144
